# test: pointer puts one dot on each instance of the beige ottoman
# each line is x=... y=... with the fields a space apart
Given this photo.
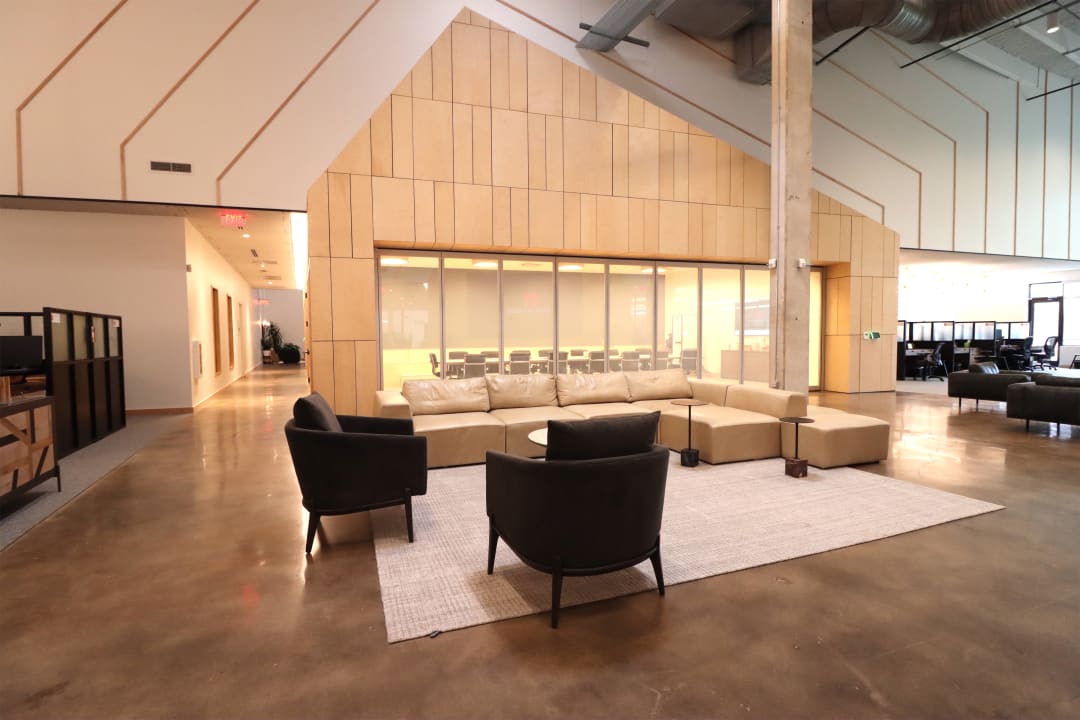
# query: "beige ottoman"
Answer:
x=723 y=434
x=838 y=438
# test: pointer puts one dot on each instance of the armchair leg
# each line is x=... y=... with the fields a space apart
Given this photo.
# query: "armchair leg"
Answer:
x=976 y=405
x=1027 y=426
x=658 y=569
x=408 y=513
x=312 y=527
x=959 y=405
x=556 y=592
x=493 y=541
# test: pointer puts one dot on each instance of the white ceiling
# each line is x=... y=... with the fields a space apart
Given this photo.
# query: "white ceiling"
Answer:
x=265 y=258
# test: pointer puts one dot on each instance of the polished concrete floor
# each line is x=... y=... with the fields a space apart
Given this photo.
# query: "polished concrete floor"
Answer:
x=178 y=587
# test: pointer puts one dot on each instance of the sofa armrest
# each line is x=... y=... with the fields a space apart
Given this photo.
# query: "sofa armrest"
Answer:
x=392 y=404
x=711 y=391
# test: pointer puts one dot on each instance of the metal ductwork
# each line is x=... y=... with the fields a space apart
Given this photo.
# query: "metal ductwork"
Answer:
x=914 y=21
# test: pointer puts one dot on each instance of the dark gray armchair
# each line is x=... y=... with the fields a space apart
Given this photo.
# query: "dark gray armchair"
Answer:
x=594 y=506
x=348 y=464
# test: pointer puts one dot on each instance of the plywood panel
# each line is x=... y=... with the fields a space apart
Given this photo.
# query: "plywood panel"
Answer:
x=571 y=90
x=708 y=231
x=612 y=230
x=537 y=151
x=587 y=96
x=755 y=183
x=870 y=352
x=681 y=168
x=319 y=299
x=519 y=217
x=723 y=173
x=695 y=225
x=652 y=226
x=392 y=202
x=362 y=229
x=635 y=110
x=442 y=78
x=667 y=166
x=571 y=221
x=587 y=157
x=481 y=145
x=545 y=220
x=340 y=215
x=644 y=162
x=545 y=81
x=433 y=140
x=729 y=231
x=404 y=87
x=815 y=250
x=554 y=154
x=356 y=157
x=500 y=69
x=500 y=217
x=844 y=254
x=345 y=377
x=749 y=236
x=519 y=78
x=382 y=141
x=702 y=169
x=619 y=160
x=471 y=64
x=612 y=102
x=472 y=215
x=588 y=222
x=761 y=247
x=401 y=121
x=636 y=225
x=444 y=214
x=828 y=236
x=424 y=213
x=318 y=207
x=421 y=77
x=673 y=123
x=674 y=228
x=735 y=165
x=872 y=240
x=509 y=148
x=367 y=376
x=462 y=152
x=857 y=246
x=353 y=295
x=651 y=115
x=322 y=368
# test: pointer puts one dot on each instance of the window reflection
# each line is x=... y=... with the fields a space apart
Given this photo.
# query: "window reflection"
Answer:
x=581 y=316
x=409 y=320
x=528 y=315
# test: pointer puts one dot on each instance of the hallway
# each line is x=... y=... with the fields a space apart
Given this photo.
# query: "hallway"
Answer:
x=177 y=587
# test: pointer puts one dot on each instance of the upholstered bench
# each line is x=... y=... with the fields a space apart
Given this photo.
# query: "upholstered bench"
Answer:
x=838 y=438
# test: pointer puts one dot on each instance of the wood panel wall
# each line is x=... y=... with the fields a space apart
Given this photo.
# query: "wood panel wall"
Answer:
x=494 y=143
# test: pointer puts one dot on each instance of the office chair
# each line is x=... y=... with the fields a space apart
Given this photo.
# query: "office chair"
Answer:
x=631 y=361
x=688 y=360
x=519 y=362
x=1075 y=363
x=660 y=362
x=434 y=365
x=475 y=365
x=596 y=361
x=455 y=363
x=932 y=362
x=1047 y=356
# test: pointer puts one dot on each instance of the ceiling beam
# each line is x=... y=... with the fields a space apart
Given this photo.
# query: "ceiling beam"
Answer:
x=616 y=24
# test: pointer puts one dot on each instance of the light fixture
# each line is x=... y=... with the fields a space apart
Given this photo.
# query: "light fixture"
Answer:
x=571 y=267
x=646 y=271
x=392 y=261
x=269 y=282
x=1052 y=22
x=485 y=264
x=246 y=235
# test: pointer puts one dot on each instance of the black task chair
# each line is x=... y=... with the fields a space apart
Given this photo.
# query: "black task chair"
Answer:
x=593 y=506
x=434 y=365
x=1046 y=357
x=347 y=464
x=932 y=363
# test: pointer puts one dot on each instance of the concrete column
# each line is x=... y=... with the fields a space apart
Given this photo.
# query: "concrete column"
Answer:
x=792 y=76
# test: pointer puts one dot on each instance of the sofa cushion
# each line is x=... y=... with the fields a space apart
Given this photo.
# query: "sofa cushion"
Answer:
x=1057 y=380
x=434 y=397
x=521 y=391
x=592 y=388
x=724 y=434
x=987 y=368
x=597 y=410
x=461 y=438
x=601 y=438
x=766 y=400
x=314 y=413
x=522 y=421
x=658 y=384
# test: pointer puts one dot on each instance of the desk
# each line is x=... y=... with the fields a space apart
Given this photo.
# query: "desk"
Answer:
x=907 y=363
x=27 y=449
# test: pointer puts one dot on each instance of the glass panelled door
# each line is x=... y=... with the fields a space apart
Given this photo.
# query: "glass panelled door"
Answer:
x=1045 y=316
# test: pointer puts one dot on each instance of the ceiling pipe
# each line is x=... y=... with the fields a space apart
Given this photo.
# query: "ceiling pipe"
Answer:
x=914 y=21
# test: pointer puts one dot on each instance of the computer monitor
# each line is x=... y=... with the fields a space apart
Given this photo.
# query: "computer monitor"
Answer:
x=21 y=352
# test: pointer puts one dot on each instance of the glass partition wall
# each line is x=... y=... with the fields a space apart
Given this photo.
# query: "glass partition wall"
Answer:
x=457 y=315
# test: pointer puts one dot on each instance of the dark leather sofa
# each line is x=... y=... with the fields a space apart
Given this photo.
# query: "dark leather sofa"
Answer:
x=983 y=381
x=1049 y=397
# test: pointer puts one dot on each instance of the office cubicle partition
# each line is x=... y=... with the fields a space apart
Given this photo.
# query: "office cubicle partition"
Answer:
x=84 y=359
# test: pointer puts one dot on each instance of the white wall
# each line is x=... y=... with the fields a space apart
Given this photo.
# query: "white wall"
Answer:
x=209 y=271
x=948 y=153
x=284 y=307
x=127 y=265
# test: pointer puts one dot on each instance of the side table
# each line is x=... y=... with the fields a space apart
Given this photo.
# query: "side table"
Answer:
x=794 y=466
x=688 y=456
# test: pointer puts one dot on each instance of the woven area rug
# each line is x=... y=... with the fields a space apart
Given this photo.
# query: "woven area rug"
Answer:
x=716 y=519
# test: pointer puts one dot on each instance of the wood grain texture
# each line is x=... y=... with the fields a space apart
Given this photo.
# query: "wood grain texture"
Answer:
x=471 y=65
x=433 y=131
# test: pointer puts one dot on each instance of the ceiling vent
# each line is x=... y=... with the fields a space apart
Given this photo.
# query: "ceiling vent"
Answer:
x=271 y=277
x=264 y=262
x=162 y=166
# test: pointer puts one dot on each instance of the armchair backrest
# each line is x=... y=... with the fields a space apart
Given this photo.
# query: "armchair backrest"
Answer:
x=314 y=413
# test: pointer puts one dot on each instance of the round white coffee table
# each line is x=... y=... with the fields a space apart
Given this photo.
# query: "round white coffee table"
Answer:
x=539 y=437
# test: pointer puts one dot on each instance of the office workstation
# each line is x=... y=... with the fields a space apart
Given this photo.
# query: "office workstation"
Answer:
x=936 y=348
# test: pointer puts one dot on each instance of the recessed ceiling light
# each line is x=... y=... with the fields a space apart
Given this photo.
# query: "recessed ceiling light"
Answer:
x=646 y=271
x=246 y=235
x=571 y=266
x=269 y=282
x=1052 y=22
x=485 y=264
x=392 y=261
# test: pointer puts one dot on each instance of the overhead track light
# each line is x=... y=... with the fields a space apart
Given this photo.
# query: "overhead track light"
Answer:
x=1052 y=22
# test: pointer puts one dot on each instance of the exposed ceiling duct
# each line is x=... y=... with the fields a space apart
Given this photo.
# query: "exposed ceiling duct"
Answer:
x=915 y=21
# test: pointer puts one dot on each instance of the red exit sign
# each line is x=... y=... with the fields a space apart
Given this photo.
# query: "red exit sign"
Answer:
x=233 y=218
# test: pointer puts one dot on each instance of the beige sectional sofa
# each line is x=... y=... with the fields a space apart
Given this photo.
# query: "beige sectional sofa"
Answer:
x=463 y=419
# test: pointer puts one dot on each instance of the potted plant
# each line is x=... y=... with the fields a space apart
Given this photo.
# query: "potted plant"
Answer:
x=271 y=342
x=289 y=354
